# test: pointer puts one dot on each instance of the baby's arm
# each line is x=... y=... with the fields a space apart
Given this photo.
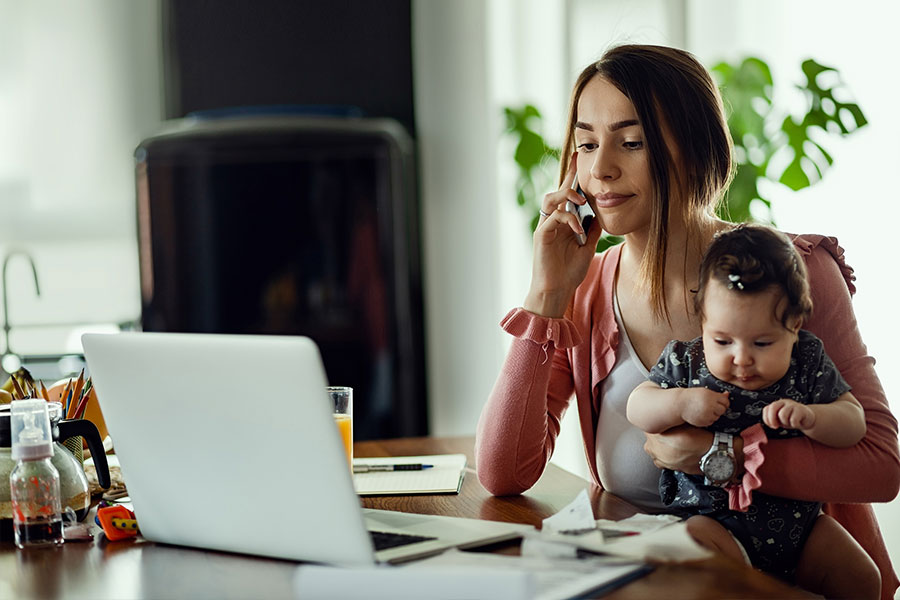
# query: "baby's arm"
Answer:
x=839 y=424
x=655 y=409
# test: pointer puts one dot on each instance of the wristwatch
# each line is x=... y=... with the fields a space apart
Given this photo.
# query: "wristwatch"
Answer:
x=719 y=465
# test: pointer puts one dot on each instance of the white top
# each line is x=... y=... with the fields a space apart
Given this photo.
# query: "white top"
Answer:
x=624 y=468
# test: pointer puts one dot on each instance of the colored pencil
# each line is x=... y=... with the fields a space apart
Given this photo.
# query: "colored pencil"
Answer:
x=76 y=395
x=63 y=393
x=18 y=388
x=64 y=397
x=82 y=402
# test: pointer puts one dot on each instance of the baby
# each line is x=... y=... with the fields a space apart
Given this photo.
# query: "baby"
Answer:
x=752 y=363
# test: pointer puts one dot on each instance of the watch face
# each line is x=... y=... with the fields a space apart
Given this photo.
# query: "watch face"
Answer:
x=718 y=466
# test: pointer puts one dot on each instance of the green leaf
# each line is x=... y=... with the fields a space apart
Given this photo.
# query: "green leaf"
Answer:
x=747 y=94
x=530 y=150
x=530 y=111
x=533 y=156
x=825 y=155
x=608 y=241
x=793 y=175
x=834 y=110
x=521 y=198
x=741 y=194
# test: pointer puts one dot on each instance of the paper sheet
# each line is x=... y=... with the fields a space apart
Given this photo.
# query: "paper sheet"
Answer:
x=553 y=579
x=554 y=538
x=576 y=516
x=646 y=537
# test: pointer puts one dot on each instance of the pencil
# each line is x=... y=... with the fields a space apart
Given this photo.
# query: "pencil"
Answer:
x=76 y=395
x=79 y=385
x=17 y=387
x=64 y=398
x=82 y=402
x=64 y=392
x=44 y=392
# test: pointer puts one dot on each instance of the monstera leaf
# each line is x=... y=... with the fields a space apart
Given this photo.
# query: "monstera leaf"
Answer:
x=762 y=132
x=826 y=113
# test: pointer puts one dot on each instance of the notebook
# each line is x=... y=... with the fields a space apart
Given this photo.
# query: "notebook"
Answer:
x=442 y=474
x=227 y=442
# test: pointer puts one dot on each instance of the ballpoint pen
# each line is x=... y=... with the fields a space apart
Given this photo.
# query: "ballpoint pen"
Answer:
x=406 y=467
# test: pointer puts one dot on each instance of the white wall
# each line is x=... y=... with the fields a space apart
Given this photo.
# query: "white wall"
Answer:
x=459 y=214
x=79 y=84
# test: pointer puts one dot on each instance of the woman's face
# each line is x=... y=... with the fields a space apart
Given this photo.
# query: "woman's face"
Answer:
x=613 y=163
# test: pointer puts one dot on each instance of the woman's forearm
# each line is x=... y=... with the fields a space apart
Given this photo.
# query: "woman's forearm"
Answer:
x=868 y=471
x=840 y=424
x=518 y=426
x=806 y=470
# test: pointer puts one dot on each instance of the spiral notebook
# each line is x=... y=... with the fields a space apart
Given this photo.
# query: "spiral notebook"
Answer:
x=444 y=476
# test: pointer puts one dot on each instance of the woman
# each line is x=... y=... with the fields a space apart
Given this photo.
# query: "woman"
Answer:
x=650 y=149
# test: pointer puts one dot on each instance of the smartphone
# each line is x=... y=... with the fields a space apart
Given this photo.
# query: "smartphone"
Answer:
x=584 y=212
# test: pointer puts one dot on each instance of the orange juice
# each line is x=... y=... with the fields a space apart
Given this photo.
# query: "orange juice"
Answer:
x=345 y=426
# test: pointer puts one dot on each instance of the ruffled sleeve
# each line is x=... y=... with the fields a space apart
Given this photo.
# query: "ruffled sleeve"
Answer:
x=805 y=245
x=526 y=325
x=740 y=495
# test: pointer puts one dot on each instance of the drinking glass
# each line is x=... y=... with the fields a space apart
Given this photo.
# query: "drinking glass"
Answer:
x=342 y=400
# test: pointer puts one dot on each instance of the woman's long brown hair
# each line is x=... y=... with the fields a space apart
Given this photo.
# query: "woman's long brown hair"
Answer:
x=670 y=91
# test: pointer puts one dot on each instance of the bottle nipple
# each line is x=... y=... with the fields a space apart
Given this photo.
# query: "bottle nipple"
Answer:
x=30 y=433
x=29 y=425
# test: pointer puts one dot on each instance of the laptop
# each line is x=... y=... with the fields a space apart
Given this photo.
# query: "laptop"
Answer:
x=227 y=442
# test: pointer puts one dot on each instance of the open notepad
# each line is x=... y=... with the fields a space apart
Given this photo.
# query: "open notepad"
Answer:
x=444 y=477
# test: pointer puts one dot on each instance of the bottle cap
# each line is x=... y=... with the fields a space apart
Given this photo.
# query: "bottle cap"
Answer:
x=29 y=427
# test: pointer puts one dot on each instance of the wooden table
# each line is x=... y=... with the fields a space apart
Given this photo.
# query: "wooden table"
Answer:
x=142 y=569
x=714 y=578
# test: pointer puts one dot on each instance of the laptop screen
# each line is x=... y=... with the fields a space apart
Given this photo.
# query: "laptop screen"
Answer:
x=228 y=442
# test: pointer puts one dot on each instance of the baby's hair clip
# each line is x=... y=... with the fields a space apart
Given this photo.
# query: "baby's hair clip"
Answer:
x=735 y=280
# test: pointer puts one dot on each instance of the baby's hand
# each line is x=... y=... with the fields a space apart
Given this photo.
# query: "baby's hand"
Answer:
x=702 y=407
x=789 y=415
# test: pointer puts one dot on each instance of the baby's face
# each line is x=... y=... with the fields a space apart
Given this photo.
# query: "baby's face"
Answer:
x=743 y=339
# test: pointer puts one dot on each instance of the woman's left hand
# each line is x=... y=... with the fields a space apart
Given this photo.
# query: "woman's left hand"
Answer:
x=680 y=448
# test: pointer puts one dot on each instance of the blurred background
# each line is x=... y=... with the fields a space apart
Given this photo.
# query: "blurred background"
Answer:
x=82 y=84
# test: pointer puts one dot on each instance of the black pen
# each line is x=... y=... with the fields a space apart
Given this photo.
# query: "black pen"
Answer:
x=405 y=467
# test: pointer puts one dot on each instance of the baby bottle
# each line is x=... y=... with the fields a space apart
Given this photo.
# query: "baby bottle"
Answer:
x=34 y=481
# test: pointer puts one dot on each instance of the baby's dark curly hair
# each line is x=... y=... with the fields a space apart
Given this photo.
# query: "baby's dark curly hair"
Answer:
x=752 y=258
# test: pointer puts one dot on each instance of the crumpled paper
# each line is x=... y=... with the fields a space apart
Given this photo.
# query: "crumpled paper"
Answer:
x=658 y=538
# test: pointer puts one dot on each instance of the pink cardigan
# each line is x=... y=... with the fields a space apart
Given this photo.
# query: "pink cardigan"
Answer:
x=549 y=359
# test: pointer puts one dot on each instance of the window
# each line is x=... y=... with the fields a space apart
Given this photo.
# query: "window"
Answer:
x=79 y=89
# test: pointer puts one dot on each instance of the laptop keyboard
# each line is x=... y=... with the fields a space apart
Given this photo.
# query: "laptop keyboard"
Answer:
x=384 y=540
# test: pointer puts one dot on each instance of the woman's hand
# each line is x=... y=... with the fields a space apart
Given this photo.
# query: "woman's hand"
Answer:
x=560 y=263
x=681 y=448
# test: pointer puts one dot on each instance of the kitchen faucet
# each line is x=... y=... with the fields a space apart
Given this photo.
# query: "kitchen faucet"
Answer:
x=7 y=351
